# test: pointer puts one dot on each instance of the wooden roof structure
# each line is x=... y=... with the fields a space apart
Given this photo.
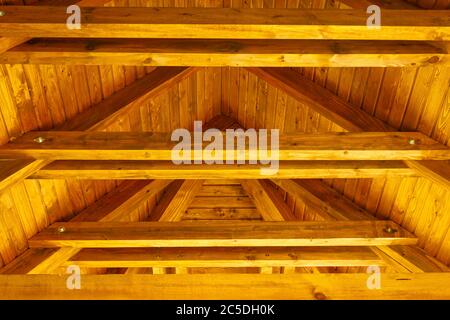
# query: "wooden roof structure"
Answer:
x=86 y=177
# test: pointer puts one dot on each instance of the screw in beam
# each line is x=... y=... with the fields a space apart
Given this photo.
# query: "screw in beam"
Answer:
x=412 y=141
x=389 y=230
x=2 y=13
x=39 y=139
x=61 y=229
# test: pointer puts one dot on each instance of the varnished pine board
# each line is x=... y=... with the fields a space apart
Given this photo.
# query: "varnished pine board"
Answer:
x=31 y=21
x=293 y=286
x=225 y=257
x=218 y=234
x=233 y=53
x=158 y=146
x=98 y=170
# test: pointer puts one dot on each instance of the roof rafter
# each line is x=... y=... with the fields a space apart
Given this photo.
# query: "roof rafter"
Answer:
x=343 y=114
x=100 y=116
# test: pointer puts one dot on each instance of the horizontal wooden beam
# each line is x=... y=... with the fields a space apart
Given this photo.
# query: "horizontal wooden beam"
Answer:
x=220 y=23
x=226 y=257
x=7 y=42
x=79 y=145
x=221 y=234
x=99 y=170
x=234 y=53
x=230 y=287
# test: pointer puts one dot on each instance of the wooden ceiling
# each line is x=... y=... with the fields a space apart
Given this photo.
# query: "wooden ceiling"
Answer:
x=57 y=84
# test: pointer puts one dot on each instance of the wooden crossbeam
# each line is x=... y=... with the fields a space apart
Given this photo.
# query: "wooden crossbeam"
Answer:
x=8 y=42
x=99 y=170
x=220 y=23
x=114 y=205
x=343 y=114
x=225 y=257
x=234 y=53
x=99 y=117
x=231 y=287
x=58 y=145
x=330 y=205
x=221 y=234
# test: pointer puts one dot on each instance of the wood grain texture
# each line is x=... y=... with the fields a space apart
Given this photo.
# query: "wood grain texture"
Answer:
x=233 y=53
x=29 y=21
x=294 y=286
x=225 y=257
x=98 y=170
x=59 y=145
x=218 y=234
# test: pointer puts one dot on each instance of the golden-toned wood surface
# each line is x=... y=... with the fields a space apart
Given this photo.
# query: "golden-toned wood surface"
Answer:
x=37 y=97
x=233 y=286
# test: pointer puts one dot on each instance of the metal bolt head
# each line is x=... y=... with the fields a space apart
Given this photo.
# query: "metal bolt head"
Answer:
x=61 y=229
x=2 y=13
x=412 y=141
x=39 y=139
x=390 y=230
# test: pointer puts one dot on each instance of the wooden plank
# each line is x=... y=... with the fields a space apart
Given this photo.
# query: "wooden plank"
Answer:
x=100 y=170
x=221 y=214
x=343 y=114
x=231 y=287
x=220 y=23
x=234 y=53
x=267 y=201
x=329 y=205
x=100 y=116
x=79 y=145
x=8 y=43
x=221 y=234
x=225 y=257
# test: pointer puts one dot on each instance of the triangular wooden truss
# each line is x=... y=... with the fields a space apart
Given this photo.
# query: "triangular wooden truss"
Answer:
x=342 y=235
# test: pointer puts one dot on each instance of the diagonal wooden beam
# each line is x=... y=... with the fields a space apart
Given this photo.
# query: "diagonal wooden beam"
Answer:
x=267 y=201
x=100 y=116
x=114 y=205
x=343 y=114
x=222 y=23
x=233 y=53
x=221 y=234
x=232 y=287
x=330 y=205
x=180 y=201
